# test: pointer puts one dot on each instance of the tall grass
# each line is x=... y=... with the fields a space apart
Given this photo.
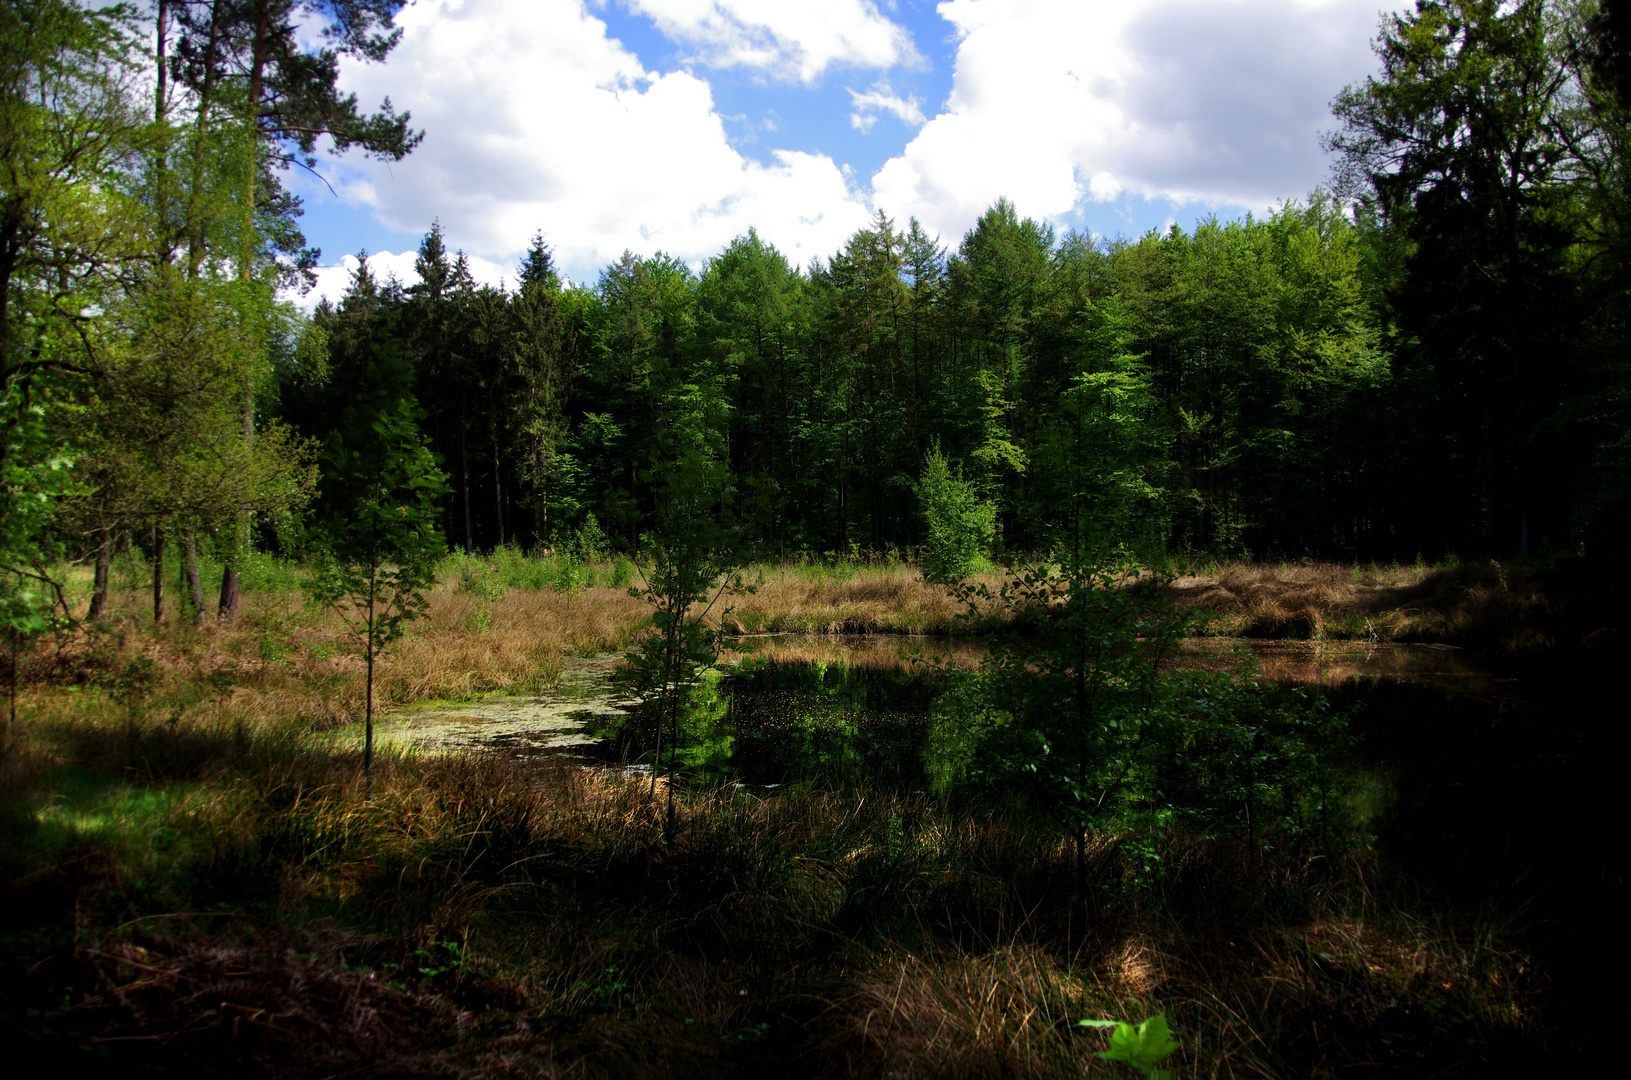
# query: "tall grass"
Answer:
x=1482 y=603
x=190 y=873
x=849 y=933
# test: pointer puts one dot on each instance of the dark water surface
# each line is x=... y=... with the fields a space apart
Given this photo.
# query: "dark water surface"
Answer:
x=844 y=710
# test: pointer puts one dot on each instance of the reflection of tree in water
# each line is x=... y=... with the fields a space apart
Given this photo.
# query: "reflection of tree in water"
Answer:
x=767 y=722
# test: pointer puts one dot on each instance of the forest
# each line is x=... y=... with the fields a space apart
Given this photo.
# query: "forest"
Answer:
x=1072 y=455
x=1424 y=360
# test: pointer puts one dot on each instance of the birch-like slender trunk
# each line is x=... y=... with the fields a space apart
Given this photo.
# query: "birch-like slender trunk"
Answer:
x=158 y=574
x=99 y=584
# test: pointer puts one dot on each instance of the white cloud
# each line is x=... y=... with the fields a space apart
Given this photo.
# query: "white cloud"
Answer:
x=534 y=119
x=1057 y=103
x=880 y=98
x=781 y=38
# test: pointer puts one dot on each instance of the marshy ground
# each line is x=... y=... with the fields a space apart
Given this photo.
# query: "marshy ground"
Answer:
x=195 y=886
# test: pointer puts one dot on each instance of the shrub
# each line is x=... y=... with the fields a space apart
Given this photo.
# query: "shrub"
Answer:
x=958 y=527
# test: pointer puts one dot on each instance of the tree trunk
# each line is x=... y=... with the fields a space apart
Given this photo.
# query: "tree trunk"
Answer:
x=161 y=91
x=227 y=609
x=464 y=471
x=498 y=480
x=257 y=74
x=161 y=30
x=367 y=731
x=368 y=728
x=206 y=98
x=99 y=586
x=195 y=581
x=158 y=575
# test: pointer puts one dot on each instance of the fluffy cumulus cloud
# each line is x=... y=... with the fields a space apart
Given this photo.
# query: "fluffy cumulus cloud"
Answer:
x=1055 y=104
x=781 y=38
x=535 y=118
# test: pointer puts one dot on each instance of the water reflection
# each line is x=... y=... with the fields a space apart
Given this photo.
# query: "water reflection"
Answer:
x=852 y=710
x=766 y=722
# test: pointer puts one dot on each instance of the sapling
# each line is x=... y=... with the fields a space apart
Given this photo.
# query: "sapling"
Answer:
x=958 y=528
x=380 y=544
x=690 y=567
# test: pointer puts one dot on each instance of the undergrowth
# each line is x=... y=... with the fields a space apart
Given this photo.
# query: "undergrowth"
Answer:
x=193 y=886
x=225 y=894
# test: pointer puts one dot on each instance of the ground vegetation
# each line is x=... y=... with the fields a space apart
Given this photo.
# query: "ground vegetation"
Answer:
x=1389 y=412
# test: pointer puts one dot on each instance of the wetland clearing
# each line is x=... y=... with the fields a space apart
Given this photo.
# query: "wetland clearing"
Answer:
x=845 y=893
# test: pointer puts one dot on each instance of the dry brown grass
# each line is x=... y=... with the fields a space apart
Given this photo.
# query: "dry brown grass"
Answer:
x=447 y=657
x=844 y=600
x=282 y=658
x=1311 y=600
x=819 y=932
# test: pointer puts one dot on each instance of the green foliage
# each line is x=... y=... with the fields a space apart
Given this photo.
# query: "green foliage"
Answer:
x=380 y=543
x=35 y=475
x=958 y=527
x=589 y=541
x=1096 y=446
x=689 y=566
x=1271 y=763
x=1142 y=1047
x=1070 y=702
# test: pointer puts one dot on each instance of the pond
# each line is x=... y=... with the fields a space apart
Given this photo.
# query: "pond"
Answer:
x=855 y=710
x=1495 y=793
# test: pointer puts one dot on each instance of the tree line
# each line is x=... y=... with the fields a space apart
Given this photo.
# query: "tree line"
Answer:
x=1428 y=357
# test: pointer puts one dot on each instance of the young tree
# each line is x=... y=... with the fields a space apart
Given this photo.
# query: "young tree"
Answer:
x=958 y=527
x=690 y=564
x=379 y=542
x=70 y=234
x=245 y=64
x=34 y=476
x=1071 y=701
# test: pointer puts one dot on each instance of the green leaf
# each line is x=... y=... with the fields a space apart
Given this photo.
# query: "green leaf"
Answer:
x=1142 y=1046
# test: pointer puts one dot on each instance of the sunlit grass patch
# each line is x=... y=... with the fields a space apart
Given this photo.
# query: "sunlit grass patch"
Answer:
x=84 y=806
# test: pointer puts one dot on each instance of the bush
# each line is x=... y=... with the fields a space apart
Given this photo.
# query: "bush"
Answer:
x=959 y=529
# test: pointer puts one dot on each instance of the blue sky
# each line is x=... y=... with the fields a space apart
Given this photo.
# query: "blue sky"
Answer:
x=678 y=124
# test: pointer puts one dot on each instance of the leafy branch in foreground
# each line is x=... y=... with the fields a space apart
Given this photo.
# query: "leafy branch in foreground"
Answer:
x=1071 y=702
